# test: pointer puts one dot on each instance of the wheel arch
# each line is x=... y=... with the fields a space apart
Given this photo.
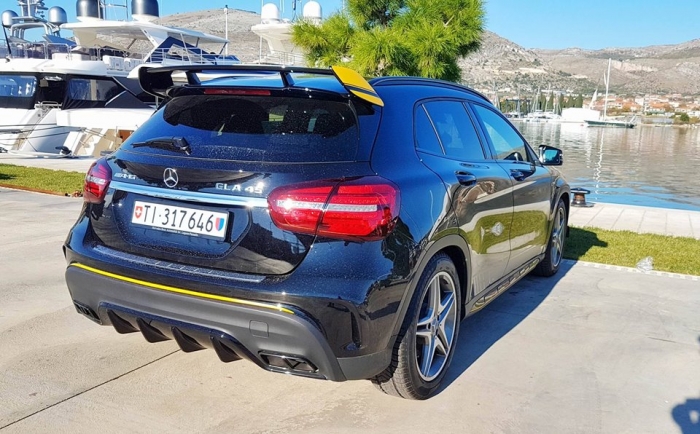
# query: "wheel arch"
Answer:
x=567 y=205
x=457 y=249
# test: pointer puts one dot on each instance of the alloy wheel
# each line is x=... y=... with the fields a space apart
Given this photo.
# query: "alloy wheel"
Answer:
x=435 y=329
x=558 y=232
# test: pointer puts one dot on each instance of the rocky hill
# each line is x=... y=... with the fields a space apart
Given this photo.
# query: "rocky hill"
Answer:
x=657 y=69
x=243 y=43
x=503 y=64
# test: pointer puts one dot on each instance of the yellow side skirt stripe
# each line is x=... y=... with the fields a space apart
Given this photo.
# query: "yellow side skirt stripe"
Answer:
x=183 y=291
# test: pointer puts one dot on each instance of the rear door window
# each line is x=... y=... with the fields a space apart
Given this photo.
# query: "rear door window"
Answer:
x=256 y=128
x=455 y=130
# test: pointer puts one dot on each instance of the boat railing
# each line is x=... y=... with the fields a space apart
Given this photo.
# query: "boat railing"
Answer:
x=115 y=59
x=189 y=56
x=47 y=105
x=283 y=58
x=36 y=50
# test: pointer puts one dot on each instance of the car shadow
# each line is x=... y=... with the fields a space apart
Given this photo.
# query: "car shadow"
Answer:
x=687 y=415
x=579 y=242
x=483 y=329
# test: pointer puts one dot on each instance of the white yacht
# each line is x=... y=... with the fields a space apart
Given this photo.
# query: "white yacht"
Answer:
x=277 y=32
x=46 y=86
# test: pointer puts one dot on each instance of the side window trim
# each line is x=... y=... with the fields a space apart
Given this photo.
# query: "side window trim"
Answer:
x=421 y=106
x=531 y=153
x=486 y=144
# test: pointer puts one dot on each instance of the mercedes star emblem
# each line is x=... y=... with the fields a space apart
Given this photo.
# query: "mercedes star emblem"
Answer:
x=170 y=177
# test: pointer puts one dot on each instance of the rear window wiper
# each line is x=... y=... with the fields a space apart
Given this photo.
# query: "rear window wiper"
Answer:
x=168 y=143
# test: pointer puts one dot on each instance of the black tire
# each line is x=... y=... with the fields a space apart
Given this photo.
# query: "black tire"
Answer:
x=411 y=375
x=555 y=247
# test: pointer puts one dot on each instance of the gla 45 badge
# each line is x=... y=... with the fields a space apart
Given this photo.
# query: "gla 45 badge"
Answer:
x=236 y=188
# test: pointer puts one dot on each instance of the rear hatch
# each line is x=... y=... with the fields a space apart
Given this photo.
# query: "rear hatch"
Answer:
x=191 y=186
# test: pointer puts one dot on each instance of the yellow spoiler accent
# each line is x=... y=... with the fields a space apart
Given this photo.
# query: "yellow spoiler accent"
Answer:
x=184 y=291
x=357 y=85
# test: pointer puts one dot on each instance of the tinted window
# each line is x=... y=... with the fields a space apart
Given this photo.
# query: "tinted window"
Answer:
x=426 y=140
x=17 y=91
x=455 y=129
x=506 y=141
x=256 y=128
x=82 y=89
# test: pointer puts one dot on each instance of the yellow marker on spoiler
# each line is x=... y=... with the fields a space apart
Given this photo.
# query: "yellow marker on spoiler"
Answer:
x=357 y=85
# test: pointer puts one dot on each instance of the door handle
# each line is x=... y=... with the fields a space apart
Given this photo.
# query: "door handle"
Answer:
x=465 y=178
x=518 y=175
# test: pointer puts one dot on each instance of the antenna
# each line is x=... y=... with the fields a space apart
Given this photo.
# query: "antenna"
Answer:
x=226 y=28
x=106 y=5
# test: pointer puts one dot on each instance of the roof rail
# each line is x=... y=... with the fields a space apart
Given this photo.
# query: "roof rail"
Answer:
x=157 y=81
x=407 y=80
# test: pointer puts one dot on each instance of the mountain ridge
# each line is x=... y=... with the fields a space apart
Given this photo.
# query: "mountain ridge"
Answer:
x=501 y=63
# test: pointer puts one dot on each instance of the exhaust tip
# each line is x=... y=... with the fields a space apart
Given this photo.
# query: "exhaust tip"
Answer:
x=86 y=311
x=286 y=363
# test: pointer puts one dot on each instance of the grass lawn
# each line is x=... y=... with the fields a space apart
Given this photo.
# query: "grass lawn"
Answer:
x=44 y=180
x=625 y=248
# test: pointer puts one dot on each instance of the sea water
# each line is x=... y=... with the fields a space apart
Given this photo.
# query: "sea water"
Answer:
x=657 y=166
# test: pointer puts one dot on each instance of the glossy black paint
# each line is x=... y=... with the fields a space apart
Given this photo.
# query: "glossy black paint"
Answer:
x=355 y=293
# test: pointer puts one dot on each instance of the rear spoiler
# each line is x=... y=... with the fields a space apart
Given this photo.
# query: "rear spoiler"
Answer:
x=157 y=81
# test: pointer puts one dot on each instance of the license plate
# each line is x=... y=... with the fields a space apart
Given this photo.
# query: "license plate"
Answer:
x=180 y=220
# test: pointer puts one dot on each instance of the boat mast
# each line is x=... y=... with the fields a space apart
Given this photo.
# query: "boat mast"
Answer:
x=607 y=86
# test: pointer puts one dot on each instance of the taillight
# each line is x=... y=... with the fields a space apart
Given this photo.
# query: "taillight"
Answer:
x=97 y=181
x=364 y=208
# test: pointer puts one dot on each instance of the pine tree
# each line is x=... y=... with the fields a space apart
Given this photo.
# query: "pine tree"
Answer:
x=396 y=37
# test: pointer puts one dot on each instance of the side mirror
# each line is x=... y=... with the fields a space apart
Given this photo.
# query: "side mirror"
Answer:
x=551 y=156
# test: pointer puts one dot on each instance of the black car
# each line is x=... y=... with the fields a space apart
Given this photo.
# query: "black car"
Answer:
x=314 y=223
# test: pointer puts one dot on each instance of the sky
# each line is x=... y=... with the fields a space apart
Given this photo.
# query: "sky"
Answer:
x=590 y=24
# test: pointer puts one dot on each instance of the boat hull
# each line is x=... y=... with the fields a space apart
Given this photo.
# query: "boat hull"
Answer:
x=616 y=124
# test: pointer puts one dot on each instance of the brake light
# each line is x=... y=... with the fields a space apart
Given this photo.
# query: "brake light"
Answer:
x=97 y=181
x=253 y=92
x=363 y=208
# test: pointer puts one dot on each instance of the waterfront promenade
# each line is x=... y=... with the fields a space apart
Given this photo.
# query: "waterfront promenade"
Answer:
x=662 y=221
x=640 y=219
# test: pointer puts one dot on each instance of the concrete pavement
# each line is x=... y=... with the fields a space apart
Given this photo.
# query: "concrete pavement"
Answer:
x=81 y=164
x=595 y=349
x=662 y=221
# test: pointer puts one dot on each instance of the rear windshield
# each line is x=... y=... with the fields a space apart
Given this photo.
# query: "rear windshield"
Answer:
x=255 y=128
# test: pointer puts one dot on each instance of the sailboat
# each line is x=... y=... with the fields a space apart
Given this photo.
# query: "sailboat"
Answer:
x=605 y=122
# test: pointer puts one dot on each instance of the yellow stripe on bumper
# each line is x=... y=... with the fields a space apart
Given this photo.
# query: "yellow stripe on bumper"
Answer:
x=183 y=291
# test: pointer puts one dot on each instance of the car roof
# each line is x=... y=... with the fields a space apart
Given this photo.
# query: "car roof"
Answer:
x=426 y=82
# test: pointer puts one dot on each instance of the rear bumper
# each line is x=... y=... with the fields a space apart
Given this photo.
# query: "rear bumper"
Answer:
x=276 y=338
